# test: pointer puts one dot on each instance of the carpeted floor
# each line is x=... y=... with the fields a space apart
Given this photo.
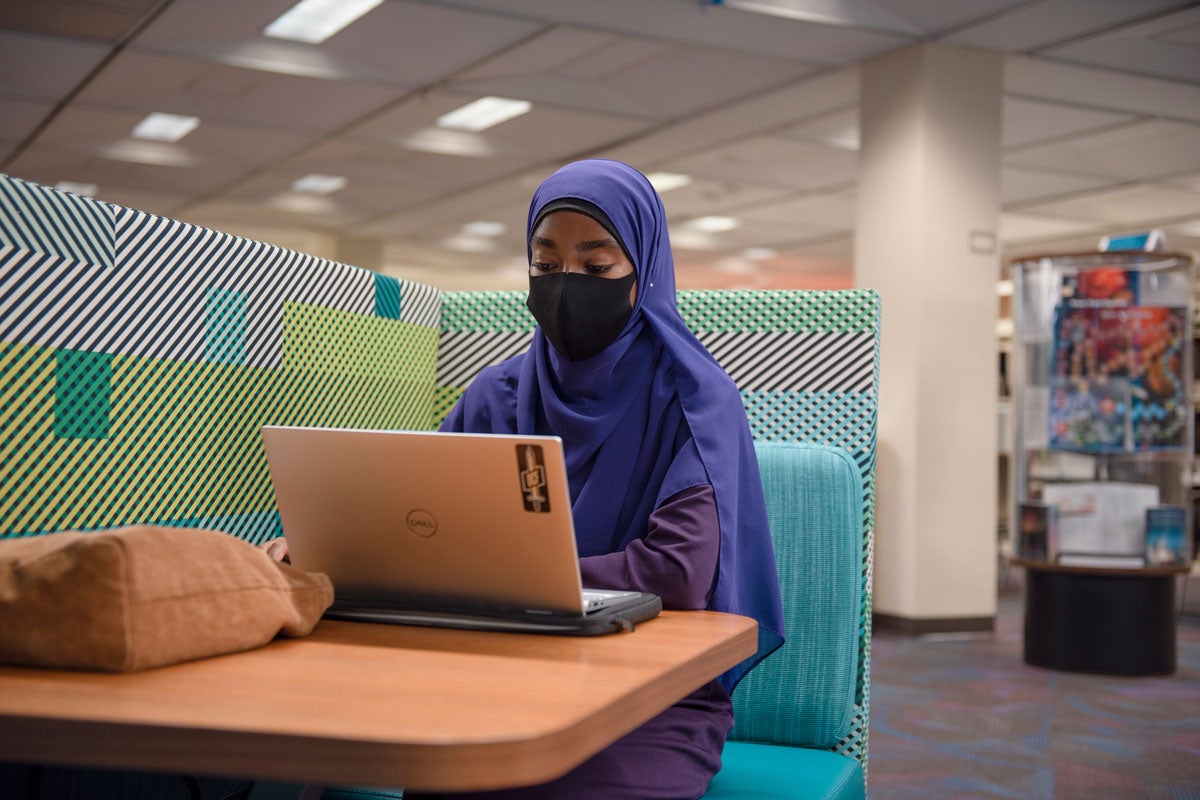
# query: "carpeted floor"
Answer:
x=966 y=718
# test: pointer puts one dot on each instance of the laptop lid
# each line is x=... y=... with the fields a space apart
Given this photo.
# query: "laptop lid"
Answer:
x=464 y=519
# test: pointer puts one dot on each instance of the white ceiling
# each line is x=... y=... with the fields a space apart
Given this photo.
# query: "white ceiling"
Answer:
x=1101 y=126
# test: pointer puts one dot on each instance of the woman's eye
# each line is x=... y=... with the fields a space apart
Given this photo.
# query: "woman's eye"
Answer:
x=542 y=266
x=599 y=269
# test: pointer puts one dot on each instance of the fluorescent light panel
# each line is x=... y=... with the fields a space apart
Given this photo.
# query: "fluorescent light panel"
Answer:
x=484 y=228
x=713 y=224
x=484 y=113
x=81 y=189
x=160 y=127
x=666 y=181
x=314 y=21
x=319 y=184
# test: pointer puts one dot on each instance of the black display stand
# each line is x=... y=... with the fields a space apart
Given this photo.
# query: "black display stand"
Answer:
x=1100 y=620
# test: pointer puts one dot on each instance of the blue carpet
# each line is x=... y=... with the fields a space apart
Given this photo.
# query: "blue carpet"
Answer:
x=967 y=718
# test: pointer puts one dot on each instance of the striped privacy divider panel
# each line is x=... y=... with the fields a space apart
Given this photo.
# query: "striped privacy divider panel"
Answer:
x=139 y=356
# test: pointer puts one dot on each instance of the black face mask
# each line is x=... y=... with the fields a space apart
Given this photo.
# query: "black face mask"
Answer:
x=580 y=314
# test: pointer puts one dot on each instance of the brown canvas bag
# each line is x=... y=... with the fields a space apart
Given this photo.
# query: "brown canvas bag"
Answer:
x=140 y=597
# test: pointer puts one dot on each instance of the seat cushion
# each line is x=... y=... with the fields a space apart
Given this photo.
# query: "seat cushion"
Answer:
x=767 y=771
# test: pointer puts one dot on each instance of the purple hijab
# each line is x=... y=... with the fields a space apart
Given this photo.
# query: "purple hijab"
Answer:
x=625 y=414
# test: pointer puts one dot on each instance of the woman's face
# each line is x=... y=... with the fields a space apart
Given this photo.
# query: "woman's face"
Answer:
x=568 y=241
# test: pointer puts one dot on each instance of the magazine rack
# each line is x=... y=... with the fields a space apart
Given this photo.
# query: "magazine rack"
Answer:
x=1102 y=442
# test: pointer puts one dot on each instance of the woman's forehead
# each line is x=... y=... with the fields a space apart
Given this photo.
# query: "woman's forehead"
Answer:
x=568 y=222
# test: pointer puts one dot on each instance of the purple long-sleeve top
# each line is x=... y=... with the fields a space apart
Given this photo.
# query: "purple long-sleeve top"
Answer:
x=674 y=755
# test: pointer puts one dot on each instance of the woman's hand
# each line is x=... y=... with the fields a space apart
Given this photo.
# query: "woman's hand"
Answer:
x=277 y=549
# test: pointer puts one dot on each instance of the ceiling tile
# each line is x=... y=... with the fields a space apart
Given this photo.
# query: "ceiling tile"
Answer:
x=313 y=213
x=1019 y=185
x=1137 y=151
x=508 y=198
x=936 y=16
x=83 y=19
x=714 y=197
x=216 y=92
x=686 y=80
x=1160 y=47
x=90 y=130
x=44 y=68
x=686 y=21
x=358 y=200
x=18 y=117
x=48 y=166
x=1134 y=205
x=661 y=82
x=1030 y=26
x=818 y=212
x=1187 y=181
x=838 y=130
x=771 y=161
x=1027 y=121
x=566 y=51
x=543 y=133
x=391 y=43
x=767 y=112
x=1020 y=227
x=1033 y=78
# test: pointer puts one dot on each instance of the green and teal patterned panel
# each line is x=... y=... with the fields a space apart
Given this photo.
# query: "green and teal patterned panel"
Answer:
x=806 y=363
x=139 y=356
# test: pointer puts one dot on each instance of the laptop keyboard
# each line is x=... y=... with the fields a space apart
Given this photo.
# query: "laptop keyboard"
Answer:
x=595 y=599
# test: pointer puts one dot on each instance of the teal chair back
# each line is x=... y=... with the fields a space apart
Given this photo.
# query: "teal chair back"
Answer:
x=803 y=694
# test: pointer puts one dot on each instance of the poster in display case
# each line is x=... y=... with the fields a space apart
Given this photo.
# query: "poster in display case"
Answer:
x=1102 y=381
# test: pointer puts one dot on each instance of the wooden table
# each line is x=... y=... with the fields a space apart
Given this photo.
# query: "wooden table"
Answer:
x=375 y=705
x=1103 y=620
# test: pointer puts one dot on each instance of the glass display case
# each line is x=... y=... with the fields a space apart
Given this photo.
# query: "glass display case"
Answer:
x=1102 y=417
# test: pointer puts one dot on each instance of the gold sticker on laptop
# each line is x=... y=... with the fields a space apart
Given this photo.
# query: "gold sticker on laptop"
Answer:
x=533 y=478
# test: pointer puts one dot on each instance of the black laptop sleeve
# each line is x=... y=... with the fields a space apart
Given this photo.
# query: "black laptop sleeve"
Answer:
x=621 y=616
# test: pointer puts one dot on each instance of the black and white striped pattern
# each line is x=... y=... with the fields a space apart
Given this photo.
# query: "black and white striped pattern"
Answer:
x=167 y=266
x=43 y=220
x=154 y=302
x=39 y=303
x=420 y=304
x=462 y=354
x=796 y=362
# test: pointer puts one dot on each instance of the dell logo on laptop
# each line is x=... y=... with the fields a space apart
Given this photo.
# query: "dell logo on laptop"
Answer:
x=421 y=523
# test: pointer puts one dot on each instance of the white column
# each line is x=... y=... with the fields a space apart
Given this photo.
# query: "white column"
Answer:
x=927 y=213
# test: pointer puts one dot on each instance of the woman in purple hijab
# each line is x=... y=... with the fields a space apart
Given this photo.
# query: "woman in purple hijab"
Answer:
x=664 y=483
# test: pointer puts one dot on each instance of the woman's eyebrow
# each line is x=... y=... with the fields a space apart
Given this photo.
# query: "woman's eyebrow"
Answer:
x=542 y=241
x=596 y=244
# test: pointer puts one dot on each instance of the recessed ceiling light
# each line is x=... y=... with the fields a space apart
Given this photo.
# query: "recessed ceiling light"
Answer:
x=845 y=13
x=314 y=21
x=484 y=228
x=484 y=113
x=468 y=244
x=449 y=143
x=162 y=127
x=759 y=253
x=82 y=189
x=666 y=181
x=160 y=154
x=319 y=184
x=713 y=224
x=302 y=203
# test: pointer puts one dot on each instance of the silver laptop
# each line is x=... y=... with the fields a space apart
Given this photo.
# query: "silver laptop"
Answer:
x=467 y=530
